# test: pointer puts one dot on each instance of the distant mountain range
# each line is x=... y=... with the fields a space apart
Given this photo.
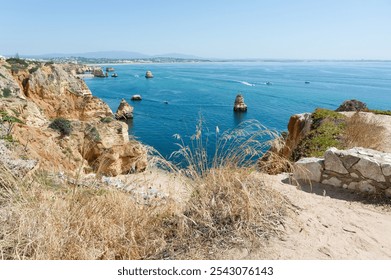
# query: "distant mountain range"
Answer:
x=113 y=55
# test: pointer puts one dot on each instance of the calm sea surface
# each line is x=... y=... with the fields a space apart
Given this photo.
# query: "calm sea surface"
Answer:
x=209 y=89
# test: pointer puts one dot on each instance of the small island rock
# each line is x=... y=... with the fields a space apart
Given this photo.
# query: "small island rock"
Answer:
x=148 y=75
x=124 y=111
x=136 y=97
x=239 y=105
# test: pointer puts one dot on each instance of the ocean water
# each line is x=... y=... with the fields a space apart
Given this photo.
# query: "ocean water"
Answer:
x=180 y=93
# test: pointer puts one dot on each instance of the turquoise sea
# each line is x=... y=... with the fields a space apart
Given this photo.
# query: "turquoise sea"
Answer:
x=180 y=92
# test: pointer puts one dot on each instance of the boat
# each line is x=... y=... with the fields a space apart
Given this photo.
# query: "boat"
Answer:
x=114 y=75
x=268 y=83
x=307 y=82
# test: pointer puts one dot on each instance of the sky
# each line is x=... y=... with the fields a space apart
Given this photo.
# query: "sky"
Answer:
x=268 y=29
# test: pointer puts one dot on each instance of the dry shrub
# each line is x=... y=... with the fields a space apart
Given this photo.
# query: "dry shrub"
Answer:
x=363 y=131
x=64 y=222
x=230 y=206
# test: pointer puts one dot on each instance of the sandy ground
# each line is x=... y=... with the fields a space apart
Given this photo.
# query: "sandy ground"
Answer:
x=329 y=223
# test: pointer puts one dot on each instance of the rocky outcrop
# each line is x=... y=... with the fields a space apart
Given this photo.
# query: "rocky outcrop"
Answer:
x=110 y=152
x=239 y=105
x=96 y=144
x=298 y=127
x=8 y=86
x=60 y=94
x=281 y=149
x=358 y=169
x=98 y=72
x=124 y=111
x=352 y=105
x=148 y=75
x=136 y=97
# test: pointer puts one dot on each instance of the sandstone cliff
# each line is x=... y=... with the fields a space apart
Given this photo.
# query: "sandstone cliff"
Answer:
x=37 y=93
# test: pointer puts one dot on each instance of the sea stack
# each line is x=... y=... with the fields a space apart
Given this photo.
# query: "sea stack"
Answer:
x=239 y=105
x=148 y=75
x=124 y=111
x=136 y=97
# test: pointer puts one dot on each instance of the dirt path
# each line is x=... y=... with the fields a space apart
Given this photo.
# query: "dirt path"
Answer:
x=334 y=226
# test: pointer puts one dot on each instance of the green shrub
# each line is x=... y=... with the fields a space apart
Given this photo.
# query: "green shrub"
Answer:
x=326 y=131
x=62 y=125
x=34 y=69
x=106 y=119
x=92 y=133
x=6 y=92
x=381 y=112
x=22 y=63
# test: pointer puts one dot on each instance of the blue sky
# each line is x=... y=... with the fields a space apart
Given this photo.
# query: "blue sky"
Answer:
x=296 y=29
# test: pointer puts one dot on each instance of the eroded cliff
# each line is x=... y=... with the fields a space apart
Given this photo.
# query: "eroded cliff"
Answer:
x=33 y=94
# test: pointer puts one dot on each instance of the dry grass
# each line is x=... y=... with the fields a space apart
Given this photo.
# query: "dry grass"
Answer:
x=361 y=131
x=64 y=222
x=229 y=207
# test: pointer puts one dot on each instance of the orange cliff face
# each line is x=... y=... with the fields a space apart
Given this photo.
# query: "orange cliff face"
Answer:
x=51 y=91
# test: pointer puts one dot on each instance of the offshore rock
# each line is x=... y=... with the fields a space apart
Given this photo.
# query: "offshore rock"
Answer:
x=239 y=105
x=124 y=111
x=136 y=97
x=148 y=75
x=98 y=72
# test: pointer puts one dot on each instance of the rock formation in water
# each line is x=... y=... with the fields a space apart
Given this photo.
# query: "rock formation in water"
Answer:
x=136 y=97
x=98 y=72
x=36 y=94
x=124 y=111
x=239 y=105
x=352 y=105
x=148 y=75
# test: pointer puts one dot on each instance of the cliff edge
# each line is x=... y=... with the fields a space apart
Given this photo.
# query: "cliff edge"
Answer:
x=85 y=138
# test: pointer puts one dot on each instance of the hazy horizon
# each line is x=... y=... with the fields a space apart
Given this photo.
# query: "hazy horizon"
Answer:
x=249 y=29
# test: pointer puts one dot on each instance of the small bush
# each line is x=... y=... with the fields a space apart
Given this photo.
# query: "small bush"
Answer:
x=381 y=112
x=34 y=69
x=106 y=119
x=62 y=125
x=22 y=63
x=326 y=131
x=92 y=133
x=362 y=131
x=6 y=92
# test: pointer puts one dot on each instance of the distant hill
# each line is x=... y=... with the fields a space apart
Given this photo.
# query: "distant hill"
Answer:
x=101 y=54
x=179 y=55
x=113 y=55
